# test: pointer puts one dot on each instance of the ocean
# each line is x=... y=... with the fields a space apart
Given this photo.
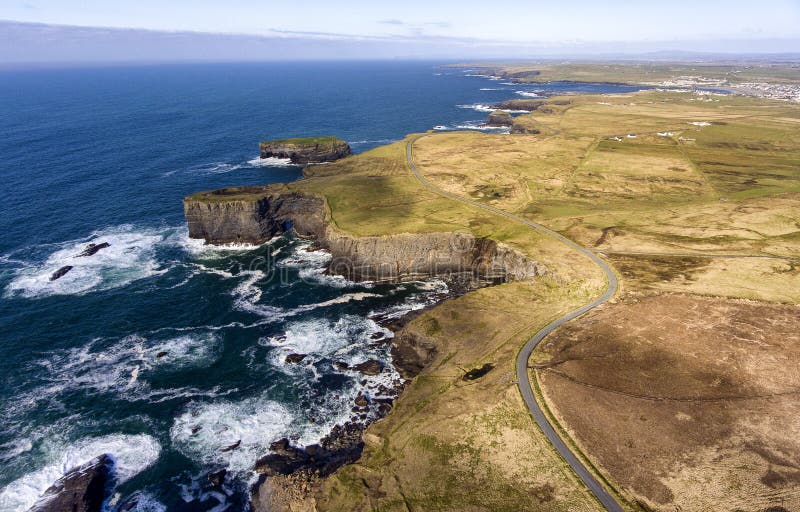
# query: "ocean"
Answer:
x=168 y=354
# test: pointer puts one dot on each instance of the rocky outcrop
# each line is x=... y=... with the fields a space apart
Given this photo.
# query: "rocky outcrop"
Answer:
x=92 y=249
x=342 y=446
x=58 y=274
x=82 y=489
x=411 y=353
x=500 y=118
x=306 y=150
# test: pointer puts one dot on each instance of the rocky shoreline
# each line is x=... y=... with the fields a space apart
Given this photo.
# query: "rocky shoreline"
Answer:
x=289 y=475
x=256 y=214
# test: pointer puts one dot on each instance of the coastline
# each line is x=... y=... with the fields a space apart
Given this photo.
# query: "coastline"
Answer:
x=288 y=474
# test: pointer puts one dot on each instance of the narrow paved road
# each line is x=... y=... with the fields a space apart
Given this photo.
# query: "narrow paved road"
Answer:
x=523 y=382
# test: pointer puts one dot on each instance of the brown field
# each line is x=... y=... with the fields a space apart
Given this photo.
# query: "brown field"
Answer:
x=688 y=403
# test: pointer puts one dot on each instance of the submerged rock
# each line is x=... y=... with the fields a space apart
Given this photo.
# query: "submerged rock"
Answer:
x=60 y=272
x=92 y=249
x=500 y=118
x=82 y=489
x=295 y=358
x=217 y=478
x=306 y=150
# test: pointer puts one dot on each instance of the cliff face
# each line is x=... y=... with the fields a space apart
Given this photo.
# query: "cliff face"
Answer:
x=255 y=214
x=252 y=215
x=409 y=256
x=306 y=150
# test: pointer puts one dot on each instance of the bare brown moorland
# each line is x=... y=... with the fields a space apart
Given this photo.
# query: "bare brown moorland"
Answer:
x=690 y=403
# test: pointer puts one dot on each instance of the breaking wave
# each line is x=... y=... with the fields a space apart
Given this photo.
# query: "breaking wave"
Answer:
x=131 y=255
x=132 y=455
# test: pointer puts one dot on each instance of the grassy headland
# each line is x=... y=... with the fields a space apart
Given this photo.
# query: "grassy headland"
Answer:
x=689 y=180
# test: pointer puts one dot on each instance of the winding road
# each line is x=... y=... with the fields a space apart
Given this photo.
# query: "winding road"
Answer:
x=523 y=381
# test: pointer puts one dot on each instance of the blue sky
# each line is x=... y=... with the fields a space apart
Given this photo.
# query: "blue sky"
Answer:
x=378 y=28
x=515 y=20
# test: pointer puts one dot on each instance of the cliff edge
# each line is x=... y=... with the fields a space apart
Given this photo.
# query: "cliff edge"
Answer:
x=254 y=215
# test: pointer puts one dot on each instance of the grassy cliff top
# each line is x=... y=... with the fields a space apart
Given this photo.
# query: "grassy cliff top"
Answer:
x=246 y=194
x=326 y=140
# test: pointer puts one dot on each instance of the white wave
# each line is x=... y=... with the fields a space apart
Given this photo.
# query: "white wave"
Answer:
x=132 y=454
x=489 y=77
x=15 y=448
x=124 y=366
x=321 y=338
x=377 y=141
x=196 y=491
x=474 y=125
x=342 y=299
x=271 y=162
x=209 y=432
x=198 y=248
x=129 y=257
x=215 y=168
x=429 y=293
x=143 y=502
x=247 y=294
x=226 y=167
x=493 y=89
x=478 y=107
x=312 y=266
x=348 y=340
x=528 y=94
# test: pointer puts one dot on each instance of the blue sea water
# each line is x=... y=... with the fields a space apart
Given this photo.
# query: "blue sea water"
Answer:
x=161 y=351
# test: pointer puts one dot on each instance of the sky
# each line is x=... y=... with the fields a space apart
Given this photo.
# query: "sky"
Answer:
x=34 y=29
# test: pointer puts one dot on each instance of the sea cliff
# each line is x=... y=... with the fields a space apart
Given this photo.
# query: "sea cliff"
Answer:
x=254 y=215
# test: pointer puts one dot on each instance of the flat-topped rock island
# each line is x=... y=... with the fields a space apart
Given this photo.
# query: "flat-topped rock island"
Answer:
x=306 y=150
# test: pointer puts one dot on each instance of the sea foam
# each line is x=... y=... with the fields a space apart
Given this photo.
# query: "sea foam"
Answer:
x=132 y=454
x=130 y=256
